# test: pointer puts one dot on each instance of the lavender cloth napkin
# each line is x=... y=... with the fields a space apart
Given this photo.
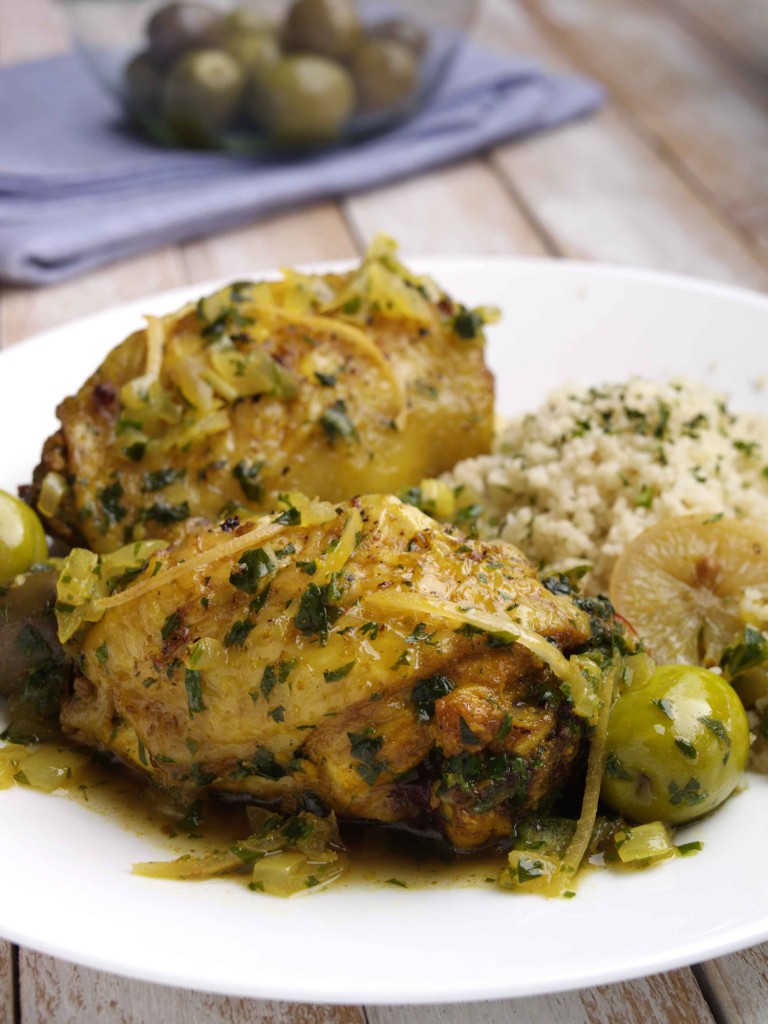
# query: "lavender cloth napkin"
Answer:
x=78 y=189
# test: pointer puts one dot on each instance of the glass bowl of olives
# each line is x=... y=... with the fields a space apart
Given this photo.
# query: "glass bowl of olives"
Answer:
x=256 y=76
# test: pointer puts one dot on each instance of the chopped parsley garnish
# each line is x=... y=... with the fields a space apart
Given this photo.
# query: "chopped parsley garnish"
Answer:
x=252 y=566
x=318 y=610
x=162 y=512
x=528 y=869
x=426 y=692
x=291 y=517
x=334 y=674
x=328 y=380
x=171 y=625
x=336 y=423
x=274 y=675
x=238 y=633
x=247 y=475
x=468 y=738
x=716 y=726
x=157 y=479
x=686 y=748
x=109 y=498
x=615 y=769
x=467 y=323
x=193 y=683
x=365 y=748
x=420 y=634
x=102 y=653
x=688 y=795
x=666 y=707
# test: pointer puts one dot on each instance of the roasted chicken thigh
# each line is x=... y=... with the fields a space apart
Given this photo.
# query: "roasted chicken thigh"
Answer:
x=333 y=385
x=357 y=657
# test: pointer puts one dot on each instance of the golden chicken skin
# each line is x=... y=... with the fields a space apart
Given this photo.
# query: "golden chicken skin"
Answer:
x=333 y=385
x=357 y=657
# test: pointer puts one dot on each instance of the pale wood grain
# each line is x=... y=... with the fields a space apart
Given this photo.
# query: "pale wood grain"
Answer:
x=672 y=998
x=600 y=191
x=7 y=984
x=684 y=97
x=56 y=992
x=30 y=29
x=738 y=28
x=27 y=310
x=737 y=986
x=317 y=232
x=454 y=211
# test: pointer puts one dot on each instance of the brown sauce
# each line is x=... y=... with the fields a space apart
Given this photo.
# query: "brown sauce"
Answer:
x=379 y=856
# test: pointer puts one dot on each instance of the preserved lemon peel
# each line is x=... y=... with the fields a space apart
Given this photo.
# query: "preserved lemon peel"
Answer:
x=52 y=491
x=495 y=623
x=550 y=875
x=84 y=564
x=355 y=336
x=155 y=335
x=284 y=856
x=343 y=550
x=697 y=570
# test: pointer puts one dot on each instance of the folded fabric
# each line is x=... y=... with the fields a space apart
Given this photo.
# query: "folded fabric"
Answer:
x=78 y=188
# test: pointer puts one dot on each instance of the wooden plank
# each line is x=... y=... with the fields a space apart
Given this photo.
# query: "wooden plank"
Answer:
x=456 y=210
x=31 y=29
x=738 y=29
x=7 y=983
x=736 y=986
x=599 y=190
x=671 y=998
x=55 y=992
x=316 y=232
x=689 y=102
x=27 y=310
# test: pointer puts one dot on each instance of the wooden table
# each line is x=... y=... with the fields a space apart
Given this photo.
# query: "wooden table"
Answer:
x=673 y=174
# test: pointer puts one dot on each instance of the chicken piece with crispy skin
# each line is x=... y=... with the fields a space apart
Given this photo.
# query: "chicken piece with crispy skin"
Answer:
x=333 y=385
x=359 y=656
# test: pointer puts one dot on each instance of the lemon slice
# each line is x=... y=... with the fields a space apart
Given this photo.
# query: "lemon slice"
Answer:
x=682 y=585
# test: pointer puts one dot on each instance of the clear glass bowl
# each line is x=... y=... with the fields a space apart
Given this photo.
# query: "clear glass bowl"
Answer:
x=265 y=75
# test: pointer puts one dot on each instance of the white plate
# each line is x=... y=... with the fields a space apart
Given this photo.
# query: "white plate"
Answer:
x=65 y=881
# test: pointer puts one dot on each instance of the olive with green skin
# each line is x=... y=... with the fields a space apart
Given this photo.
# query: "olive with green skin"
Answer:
x=303 y=99
x=177 y=28
x=22 y=538
x=143 y=84
x=244 y=19
x=326 y=27
x=253 y=51
x=385 y=73
x=676 y=747
x=202 y=95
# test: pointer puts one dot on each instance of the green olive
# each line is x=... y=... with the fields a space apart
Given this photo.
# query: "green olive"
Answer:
x=385 y=73
x=327 y=27
x=405 y=32
x=202 y=95
x=245 y=19
x=253 y=51
x=178 y=28
x=22 y=538
x=676 y=747
x=143 y=83
x=303 y=99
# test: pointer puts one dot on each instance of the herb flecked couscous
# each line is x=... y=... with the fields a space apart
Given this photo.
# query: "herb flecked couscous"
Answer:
x=577 y=480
